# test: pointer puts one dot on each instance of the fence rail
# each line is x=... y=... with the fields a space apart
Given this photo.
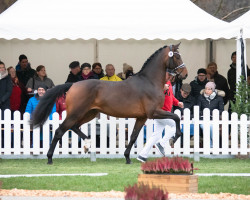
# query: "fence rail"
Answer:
x=110 y=135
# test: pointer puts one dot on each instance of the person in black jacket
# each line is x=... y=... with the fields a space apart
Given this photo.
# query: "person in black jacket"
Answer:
x=75 y=72
x=198 y=83
x=5 y=88
x=219 y=80
x=184 y=96
x=189 y=101
x=231 y=77
x=211 y=99
x=24 y=71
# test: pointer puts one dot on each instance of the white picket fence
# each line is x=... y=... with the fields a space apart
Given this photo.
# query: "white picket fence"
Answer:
x=15 y=138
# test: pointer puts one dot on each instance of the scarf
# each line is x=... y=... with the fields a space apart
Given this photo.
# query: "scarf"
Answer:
x=3 y=74
x=210 y=97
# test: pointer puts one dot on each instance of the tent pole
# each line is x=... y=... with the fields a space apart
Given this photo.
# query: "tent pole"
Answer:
x=211 y=52
x=96 y=51
x=240 y=59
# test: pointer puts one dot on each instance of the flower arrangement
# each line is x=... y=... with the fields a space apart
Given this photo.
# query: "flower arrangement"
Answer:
x=141 y=191
x=175 y=165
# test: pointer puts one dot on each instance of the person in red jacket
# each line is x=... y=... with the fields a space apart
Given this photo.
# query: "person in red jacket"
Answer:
x=159 y=124
x=61 y=105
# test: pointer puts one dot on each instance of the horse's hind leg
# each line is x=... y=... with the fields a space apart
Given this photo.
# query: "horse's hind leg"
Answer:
x=83 y=136
x=58 y=135
x=138 y=125
x=87 y=117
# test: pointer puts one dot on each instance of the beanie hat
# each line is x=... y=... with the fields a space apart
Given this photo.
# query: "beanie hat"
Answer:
x=85 y=65
x=41 y=85
x=210 y=85
x=201 y=71
x=186 y=87
x=74 y=64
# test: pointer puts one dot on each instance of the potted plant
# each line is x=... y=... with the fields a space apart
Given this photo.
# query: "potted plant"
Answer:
x=141 y=191
x=169 y=174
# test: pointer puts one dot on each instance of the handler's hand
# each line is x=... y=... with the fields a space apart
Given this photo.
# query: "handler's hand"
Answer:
x=181 y=105
x=166 y=87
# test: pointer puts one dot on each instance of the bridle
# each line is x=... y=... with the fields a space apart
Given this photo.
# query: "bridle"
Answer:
x=171 y=54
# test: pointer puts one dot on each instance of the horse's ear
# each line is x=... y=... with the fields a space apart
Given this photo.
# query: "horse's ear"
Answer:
x=177 y=46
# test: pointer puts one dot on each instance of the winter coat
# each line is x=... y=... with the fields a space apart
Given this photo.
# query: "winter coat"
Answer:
x=170 y=99
x=221 y=84
x=188 y=102
x=214 y=103
x=112 y=78
x=91 y=75
x=74 y=78
x=60 y=105
x=24 y=75
x=5 y=91
x=231 y=78
x=18 y=98
x=34 y=82
x=32 y=103
x=101 y=75
x=197 y=86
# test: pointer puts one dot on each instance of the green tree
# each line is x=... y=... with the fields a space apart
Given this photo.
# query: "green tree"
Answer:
x=242 y=98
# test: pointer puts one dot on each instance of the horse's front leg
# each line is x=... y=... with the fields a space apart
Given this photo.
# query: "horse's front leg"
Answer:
x=138 y=125
x=162 y=114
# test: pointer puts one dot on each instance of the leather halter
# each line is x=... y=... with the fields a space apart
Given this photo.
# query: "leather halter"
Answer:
x=171 y=62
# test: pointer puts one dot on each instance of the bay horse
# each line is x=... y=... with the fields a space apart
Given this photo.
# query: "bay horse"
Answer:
x=140 y=97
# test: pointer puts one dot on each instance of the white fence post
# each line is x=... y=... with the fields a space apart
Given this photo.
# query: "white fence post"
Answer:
x=196 y=121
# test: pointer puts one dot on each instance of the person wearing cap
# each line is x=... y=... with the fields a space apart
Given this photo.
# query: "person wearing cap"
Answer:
x=87 y=73
x=219 y=80
x=189 y=101
x=33 y=101
x=184 y=96
x=110 y=74
x=199 y=82
x=210 y=98
x=75 y=72
x=31 y=106
x=160 y=124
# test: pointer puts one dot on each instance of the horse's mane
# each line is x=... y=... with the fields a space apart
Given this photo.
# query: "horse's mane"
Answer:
x=150 y=58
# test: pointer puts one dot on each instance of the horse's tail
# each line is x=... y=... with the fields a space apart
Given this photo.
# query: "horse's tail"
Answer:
x=45 y=105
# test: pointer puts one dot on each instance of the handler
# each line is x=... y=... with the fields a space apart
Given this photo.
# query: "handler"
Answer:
x=156 y=138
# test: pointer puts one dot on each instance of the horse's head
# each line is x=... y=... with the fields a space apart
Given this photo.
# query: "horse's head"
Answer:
x=174 y=63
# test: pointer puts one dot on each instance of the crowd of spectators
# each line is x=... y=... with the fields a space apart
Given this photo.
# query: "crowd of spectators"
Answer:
x=20 y=87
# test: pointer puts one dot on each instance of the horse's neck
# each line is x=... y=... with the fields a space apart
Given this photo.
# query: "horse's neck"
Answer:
x=155 y=72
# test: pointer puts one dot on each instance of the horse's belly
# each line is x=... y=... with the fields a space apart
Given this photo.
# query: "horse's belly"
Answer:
x=128 y=111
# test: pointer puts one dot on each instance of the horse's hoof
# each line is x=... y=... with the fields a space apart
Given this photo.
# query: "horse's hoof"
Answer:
x=87 y=144
x=128 y=161
x=49 y=162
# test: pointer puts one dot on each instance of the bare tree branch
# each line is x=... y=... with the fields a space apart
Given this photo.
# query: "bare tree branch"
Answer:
x=218 y=9
x=234 y=11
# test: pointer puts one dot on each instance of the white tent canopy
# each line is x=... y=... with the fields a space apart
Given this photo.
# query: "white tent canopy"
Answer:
x=110 y=19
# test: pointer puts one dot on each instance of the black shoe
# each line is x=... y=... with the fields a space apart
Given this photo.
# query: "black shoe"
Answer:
x=141 y=159
x=160 y=149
